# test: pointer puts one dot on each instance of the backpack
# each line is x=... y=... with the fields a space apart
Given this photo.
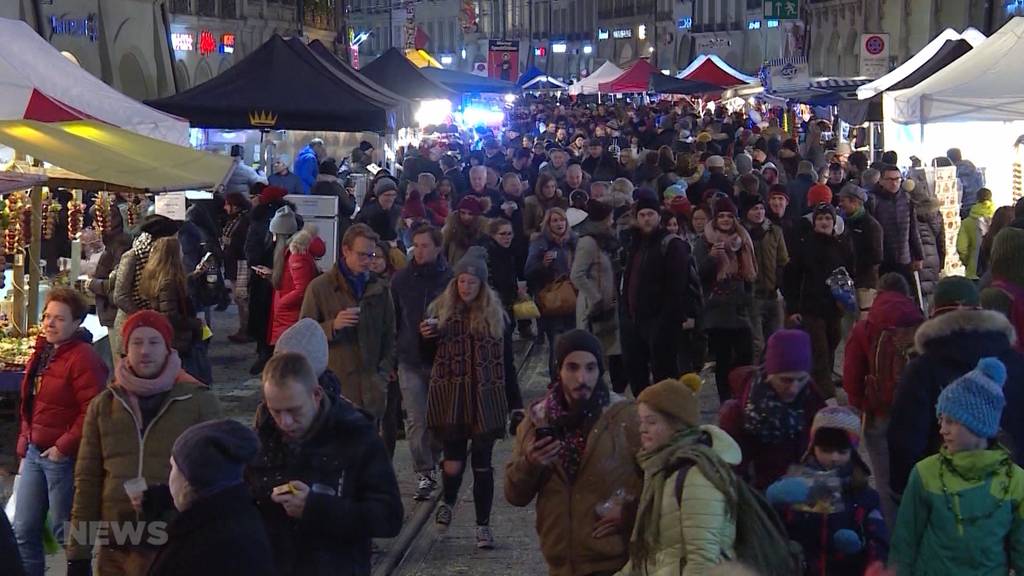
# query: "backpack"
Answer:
x=891 y=350
x=1016 y=315
x=694 y=291
x=762 y=542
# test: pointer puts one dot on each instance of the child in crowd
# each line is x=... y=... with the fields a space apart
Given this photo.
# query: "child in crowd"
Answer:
x=830 y=509
x=963 y=510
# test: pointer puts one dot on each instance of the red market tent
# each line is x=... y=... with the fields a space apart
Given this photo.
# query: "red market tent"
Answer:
x=711 y=69
x=636 y=78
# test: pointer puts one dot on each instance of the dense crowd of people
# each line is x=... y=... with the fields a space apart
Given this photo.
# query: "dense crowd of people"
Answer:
x=651 y=250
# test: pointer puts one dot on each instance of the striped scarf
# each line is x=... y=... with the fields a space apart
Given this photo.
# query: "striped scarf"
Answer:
x=467 y=383
x=141 y=247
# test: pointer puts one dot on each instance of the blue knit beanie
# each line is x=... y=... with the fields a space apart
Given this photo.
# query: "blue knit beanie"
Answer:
x=976 y=399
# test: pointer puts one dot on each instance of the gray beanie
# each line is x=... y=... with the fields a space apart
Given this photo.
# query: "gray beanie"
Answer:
x=805 y=167
x=384 y=185
x=284 y=222
x=744 y=163
x=473 y=262
x=307 y=338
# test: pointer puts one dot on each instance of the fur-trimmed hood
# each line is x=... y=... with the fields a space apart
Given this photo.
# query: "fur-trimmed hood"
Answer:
x=307 y=240
x=987 y=328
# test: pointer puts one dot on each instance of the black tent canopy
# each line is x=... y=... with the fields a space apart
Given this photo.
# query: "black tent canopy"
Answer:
x=664 y=84
x=284 y=85
x=395 y=72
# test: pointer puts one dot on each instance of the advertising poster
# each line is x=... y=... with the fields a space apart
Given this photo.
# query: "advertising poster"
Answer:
x=503 y=60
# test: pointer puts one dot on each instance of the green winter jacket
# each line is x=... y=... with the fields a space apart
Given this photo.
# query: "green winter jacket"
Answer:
x=985 y=538
x=972 y=231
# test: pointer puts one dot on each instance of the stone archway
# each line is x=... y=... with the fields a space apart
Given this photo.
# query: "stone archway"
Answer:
x=203 y=72
x=181 y=73
x=132 y=77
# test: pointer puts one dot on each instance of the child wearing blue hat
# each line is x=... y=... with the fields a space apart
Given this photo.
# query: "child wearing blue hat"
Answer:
x=963 y=510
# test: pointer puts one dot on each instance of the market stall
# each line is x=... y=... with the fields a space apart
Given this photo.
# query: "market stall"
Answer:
x=642 y=77
x=466 y=83
x=711 y=69
x=395 y=72
x=589 y=85
x=38 y=83
x=980 y=93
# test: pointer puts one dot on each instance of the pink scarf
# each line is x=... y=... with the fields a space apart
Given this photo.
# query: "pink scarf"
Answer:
x=738 y=258
x=133 y=386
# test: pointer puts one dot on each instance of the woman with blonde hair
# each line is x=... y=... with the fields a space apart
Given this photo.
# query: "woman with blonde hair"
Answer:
x=546 y=196
x=164 y=285
x=466 y=402
x=550 y=261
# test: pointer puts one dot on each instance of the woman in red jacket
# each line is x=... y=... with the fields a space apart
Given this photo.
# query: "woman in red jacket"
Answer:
x=63 y=375
x=294 y=268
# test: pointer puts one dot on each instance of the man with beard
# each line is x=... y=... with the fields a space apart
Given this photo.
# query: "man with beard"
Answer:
x=574 y=449
x=520 y=165
x=662 y=296
x=599 y=164
x=771 y=258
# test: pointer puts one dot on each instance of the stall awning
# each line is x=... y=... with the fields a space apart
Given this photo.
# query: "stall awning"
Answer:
x=109 y=154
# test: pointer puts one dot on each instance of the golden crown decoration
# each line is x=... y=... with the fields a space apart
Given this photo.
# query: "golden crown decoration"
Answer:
x=262 y=118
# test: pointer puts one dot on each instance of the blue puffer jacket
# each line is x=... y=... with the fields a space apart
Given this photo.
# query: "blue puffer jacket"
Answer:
x=307 y=166
x=972 y=180
x=861 y=513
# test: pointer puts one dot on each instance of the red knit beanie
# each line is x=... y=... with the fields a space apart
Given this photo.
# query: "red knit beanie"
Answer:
x=819 y=193
x=148 y=319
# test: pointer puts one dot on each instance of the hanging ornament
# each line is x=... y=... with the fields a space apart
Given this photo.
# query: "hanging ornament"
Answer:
x=12 y=232
x=76 y=215
x=134 y=207
x=102 y=213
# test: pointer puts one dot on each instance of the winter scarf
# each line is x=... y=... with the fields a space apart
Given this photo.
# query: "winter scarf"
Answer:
x=738 y=259
x=142 y=245
x=690 y=446
x=575 y=424
x=768 y=418
x=467 y=383
x=133 y=386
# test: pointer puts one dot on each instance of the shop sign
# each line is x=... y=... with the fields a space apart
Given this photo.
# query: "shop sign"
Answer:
x=227 y=43
x=621 y=33
x=85 y=27
x=182 y=41
x=685 y=23
x=602 y=33
x=207 y=43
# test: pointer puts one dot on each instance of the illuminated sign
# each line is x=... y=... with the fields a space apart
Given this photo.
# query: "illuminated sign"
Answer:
x=74 y=26
x=182 y=41
x=540 y=51
x=227 y=43
x=773 y=23
x=641 y=31
x=621 y=33
x=685 y=23
x=207 y=43
x=753 y=24
x=447 y=59
x=588 y=49
x=602 y=33
x=558 y=47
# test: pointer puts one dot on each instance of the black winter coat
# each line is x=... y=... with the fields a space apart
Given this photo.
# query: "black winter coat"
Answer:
x=933 y=244
x=10 y=559
x=811 y=261
x=220 y=534
x=665 y=292
x=501 y=271
x=413 y=288
x=866 y=238
x=344 y=457
x=950 y=346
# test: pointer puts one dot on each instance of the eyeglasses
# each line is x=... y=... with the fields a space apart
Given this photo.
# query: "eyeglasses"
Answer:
x=366 y=255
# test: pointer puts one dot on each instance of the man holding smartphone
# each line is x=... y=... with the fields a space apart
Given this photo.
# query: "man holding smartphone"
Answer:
x=573 y=473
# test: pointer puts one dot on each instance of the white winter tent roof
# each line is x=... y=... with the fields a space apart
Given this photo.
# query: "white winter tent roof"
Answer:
x=33 y=71
x=545 y=82
x=986 y=84
x=605 y=73
x=970 y=35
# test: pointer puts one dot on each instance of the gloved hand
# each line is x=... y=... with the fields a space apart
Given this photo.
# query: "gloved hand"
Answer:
x=847 y=541
x=788 y=490
x=80 y=567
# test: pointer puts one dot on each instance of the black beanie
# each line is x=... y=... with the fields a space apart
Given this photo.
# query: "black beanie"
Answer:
x=579 y=341
x=212 y=455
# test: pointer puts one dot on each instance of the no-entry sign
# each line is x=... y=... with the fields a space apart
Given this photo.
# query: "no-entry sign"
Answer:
x=874 y=55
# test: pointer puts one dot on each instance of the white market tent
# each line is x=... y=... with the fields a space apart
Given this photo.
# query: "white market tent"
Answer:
x=545 y=82
x=589 y=85
x=986 y=84
x=970 y=35
x=982 y=92
x=39 y=83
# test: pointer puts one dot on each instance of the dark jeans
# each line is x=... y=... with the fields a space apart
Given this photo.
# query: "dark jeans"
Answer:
x=731 y=348
x=649 y=350
x=480 y=451
x=512 y=394
x=392 y=417
x=552 y=327
x=825 y=335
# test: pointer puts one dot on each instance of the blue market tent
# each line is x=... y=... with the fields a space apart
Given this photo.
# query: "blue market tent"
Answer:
x=466 y=83
x=529 y=75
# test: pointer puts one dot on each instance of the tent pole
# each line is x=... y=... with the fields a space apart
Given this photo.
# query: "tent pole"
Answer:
x=76 y=246
x=18 y=310
x=34 y=255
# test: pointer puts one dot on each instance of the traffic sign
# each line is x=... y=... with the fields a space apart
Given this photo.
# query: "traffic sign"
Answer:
x=782 y=9
x=874 y=55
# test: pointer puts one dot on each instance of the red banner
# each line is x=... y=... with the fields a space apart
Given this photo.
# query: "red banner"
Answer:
x=503 y=60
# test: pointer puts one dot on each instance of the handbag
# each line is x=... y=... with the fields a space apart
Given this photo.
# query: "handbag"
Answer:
x=557 y=298
x=525 y=309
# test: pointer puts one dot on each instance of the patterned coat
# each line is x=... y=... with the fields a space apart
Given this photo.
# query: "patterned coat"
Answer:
x=467 y=383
